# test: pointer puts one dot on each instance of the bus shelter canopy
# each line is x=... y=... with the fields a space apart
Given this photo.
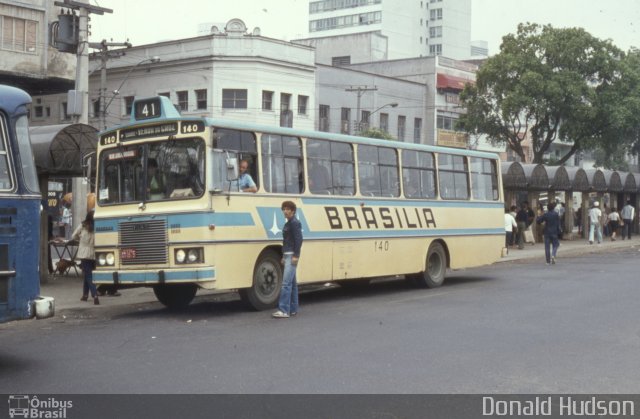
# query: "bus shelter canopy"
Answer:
x=59 y=149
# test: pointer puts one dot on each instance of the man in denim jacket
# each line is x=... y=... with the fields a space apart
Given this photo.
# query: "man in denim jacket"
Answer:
x=291 y=246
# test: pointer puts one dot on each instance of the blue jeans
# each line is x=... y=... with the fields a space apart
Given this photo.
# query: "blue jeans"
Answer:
x=87 y=266
x=548 y=241
x=289 y=293
x=595 y=230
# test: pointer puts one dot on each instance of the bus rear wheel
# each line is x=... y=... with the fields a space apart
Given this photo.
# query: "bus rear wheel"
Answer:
x=175 y=296
x=267 y=280
x=435 y=269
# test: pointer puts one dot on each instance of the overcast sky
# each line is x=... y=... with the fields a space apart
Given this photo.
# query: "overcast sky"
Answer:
x=149 y=21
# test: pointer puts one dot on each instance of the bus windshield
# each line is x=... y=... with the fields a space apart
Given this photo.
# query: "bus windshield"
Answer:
x=162 y=170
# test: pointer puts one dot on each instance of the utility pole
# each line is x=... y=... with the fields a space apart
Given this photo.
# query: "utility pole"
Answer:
x=80 y=185
x=105 y=55
x=360 y=90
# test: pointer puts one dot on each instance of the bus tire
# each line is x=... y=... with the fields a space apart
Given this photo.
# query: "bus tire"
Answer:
x=435 y=268
x=175 y=296
x=267 y=280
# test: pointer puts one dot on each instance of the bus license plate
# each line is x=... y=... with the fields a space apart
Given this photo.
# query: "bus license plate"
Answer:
x=127 y=253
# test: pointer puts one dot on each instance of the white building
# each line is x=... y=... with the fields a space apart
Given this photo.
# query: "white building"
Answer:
x=410 y=28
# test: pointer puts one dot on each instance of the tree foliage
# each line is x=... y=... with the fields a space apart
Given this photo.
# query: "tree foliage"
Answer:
x=554 y=85
x=377 y=133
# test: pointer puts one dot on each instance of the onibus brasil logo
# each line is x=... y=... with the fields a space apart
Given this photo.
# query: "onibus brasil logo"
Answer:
x=32 y=407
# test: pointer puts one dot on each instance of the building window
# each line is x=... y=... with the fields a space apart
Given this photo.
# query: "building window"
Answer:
x=327 y=5
x=201 y=99
x=384 y=122
x=183 y=100
x=435 y=14
x=340 y=61
x=96 y=108
x=19 y=34
x=286 y=115
x=417 y=130
x=435 y=49
x=345 y=117
x=267 y=100
x=338 y=22
x=402 y=122
x=63 y=112
x=447 y=122
x=324 y=123
x=128 y=104
x=234 y=98
x=435 y=31
x=302 y=104
x=38 y=111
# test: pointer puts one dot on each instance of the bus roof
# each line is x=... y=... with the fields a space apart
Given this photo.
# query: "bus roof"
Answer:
x=164 y=111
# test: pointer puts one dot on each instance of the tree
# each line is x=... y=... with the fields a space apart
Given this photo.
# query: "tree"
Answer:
x=377 y=133
x=549 y=85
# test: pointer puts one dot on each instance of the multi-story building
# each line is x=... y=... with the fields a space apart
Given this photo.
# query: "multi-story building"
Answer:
x=29 y=60
x=351 y=31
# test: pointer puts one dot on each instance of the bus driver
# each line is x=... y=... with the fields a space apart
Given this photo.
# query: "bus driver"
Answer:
x=245 y=181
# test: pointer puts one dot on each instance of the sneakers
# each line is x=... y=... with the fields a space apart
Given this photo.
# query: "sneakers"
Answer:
x=84 y=298
x=280 y=315
x=96 y=301
x=553 y=260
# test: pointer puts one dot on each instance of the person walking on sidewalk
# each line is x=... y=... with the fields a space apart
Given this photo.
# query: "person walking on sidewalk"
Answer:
x=86 y=253
x=551 y=231
x=628 y=212
x=614 y=222
x=510 y=226
x=595 y=228
x=291 y=246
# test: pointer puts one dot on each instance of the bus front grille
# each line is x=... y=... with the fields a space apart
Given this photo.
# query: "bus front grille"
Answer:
x=143 y=242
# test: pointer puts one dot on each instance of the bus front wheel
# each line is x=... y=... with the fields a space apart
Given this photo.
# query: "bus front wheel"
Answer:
x=435 y=269
x=267 y=280
x=175 y=296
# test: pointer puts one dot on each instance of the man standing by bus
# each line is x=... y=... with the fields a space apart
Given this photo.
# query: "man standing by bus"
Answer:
x=291 y=246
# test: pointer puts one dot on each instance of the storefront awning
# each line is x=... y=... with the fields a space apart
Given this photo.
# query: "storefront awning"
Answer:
x=59 y=149
x=446 y=81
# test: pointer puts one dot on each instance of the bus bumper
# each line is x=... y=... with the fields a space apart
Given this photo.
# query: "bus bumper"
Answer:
x=154 y=276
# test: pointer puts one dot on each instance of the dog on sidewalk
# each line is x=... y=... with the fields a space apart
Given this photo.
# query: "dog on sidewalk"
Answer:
x=63 y=265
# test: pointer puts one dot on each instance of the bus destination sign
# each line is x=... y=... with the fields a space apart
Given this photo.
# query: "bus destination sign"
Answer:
x=147 y=109
x=159 y=130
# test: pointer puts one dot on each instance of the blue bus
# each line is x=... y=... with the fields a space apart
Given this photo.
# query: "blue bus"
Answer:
x=20 y=205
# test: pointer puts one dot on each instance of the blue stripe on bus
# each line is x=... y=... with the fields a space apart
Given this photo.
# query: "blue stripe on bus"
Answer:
x=187 y=220
x=393 y=233
x=152 y=276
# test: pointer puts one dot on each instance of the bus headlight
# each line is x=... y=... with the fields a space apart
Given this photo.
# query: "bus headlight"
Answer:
x=190 y=255
x=193 y=255
x=106 y=259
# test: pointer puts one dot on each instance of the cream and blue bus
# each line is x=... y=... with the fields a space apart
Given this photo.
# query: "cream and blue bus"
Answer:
x=369 y=208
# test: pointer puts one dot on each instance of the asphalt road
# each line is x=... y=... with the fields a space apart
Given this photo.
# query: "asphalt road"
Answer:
x=516 y=327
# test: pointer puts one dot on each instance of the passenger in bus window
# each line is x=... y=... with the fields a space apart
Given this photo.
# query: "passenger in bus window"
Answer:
x=319 y=178
x=245 y=181
x=155 y=181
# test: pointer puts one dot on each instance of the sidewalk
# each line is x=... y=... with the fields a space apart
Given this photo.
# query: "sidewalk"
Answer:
x=568 y=248
x=67 y=289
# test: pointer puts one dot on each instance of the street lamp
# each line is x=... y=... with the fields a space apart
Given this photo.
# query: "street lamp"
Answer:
x=393 y=105
x=116 y=92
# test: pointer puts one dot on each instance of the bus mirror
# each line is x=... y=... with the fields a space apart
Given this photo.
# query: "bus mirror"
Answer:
x=232 y=168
